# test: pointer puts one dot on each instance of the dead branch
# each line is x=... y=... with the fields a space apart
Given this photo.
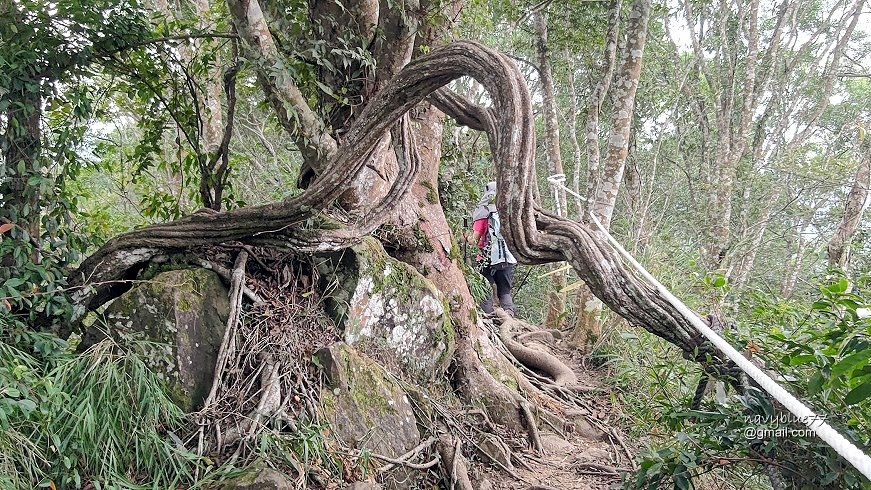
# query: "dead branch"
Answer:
x=402 y=460
x=227 y=276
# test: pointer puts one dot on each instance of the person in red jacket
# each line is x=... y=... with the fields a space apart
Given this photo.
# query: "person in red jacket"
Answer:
x=497 y=263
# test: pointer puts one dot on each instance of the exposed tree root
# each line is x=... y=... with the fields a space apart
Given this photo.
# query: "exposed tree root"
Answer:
x=537 y=335
x=453 y=463
x=237 y=283
x=227 y=275
x=561 y=374
x=531 y=425
x=405 y=459
x=477 y=385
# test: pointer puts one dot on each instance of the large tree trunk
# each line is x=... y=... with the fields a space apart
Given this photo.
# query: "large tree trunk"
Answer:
x=308 y=223
x=589 y=327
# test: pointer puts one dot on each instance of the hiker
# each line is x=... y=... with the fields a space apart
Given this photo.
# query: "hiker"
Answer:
x=496 y=262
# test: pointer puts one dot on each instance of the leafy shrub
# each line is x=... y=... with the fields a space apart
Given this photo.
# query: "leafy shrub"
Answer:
x=821 y=352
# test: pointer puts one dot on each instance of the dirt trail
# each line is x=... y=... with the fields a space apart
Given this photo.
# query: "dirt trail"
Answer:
x=592 y=456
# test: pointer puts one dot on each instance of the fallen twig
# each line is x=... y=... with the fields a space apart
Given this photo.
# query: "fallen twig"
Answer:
x=613 y=433
x=603 y=468
x=403 y=460
x=227 y=275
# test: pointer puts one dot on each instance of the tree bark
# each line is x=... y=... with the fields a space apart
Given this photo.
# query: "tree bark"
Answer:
x=305 y=223
x=556 y=298
x=625 y=87
x=732 y=139
x=586 y=325
x=739 y=275
x=577 y=151
x=857 y=200
x=790 y=278
x=589 y=325
x=594 y=106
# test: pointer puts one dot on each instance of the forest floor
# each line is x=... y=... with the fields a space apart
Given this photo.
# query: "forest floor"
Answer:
x=593 y=456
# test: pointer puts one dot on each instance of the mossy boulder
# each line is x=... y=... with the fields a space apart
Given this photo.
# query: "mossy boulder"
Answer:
x=258 y=478
x=182 y=314
x=390 y=311
x=365 y=407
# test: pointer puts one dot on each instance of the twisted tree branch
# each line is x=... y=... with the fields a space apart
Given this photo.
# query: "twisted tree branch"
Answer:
x=307 y=222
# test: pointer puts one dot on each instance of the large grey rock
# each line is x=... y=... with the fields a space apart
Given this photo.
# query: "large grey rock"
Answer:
x=183 y=313
x=390 y=311
x=260 y=479
x=364 y=406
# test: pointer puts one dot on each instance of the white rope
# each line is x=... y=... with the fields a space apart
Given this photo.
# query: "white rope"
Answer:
x=829 y=435
x=557 y=181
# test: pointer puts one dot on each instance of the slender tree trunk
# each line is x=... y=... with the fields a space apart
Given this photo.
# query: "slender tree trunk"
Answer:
x=589 y=326
x=732 y=136
x=556 y=298
x=215 y=131
x=586 y=326
x=21 y=161
x=797 y=259
x=738 y=103
x=741 y=272
x=625 y=87
x=594 y=105
x=857 y=200
x=573 y=138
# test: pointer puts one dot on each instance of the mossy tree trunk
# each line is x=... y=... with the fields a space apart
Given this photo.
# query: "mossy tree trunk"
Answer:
x=309 y=223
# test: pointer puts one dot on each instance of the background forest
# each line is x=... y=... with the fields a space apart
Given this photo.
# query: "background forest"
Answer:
x=732 y=159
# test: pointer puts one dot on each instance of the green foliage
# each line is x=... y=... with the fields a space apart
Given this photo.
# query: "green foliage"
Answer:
x=822 y=352
x=306 y=447
x=107 y=395
x=48 y=54
x=102 y=417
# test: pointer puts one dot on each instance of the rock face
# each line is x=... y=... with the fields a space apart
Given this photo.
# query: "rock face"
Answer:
x=364 y=406
x=260 y=479
x=184 y=313
x=395 y=315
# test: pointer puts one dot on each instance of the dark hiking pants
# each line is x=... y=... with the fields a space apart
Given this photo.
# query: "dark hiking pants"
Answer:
x=501 y=276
